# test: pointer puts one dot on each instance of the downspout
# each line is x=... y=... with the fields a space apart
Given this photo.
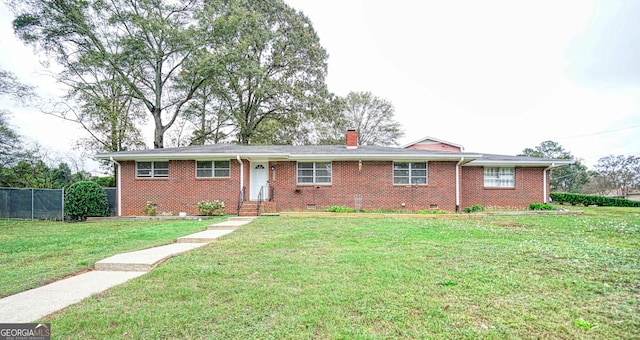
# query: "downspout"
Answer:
x=458 y=184
x=544 y=183
x=241 y=172
x=118 y=186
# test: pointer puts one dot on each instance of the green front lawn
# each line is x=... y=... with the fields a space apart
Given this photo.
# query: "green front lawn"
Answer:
x=498 y=277
x=34 y=253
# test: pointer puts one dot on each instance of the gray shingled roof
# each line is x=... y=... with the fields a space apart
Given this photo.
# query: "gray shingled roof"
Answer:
x=326 y=152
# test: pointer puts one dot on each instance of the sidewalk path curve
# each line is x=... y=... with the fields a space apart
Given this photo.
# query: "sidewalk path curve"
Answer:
x=36 y=303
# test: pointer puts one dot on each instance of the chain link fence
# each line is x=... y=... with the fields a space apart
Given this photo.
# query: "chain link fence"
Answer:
x=40 y=204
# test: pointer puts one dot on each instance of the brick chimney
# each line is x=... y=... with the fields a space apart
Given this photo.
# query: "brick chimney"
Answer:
x=352 y=139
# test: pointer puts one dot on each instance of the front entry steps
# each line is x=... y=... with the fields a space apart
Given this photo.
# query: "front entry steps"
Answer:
x=250 y=208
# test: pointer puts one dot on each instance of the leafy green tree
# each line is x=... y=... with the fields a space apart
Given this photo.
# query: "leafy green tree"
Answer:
x=11 y=149
x=108 y=181
x=371 y=116
x=618 y=174
x=568 y=178
x=31 y=173
x=273 y=72
x=151 y=47
x=10 y=142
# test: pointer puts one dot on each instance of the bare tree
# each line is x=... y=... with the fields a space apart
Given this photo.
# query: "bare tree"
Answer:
x=620 y=174
x=373 y=117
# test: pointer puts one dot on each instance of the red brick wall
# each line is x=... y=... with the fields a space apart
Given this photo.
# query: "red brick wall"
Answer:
x=528 y=189
x=352 y=138
x=374 y=182
x=181 y=191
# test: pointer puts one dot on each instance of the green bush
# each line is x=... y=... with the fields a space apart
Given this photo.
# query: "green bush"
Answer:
x=84 y=199
x=475 y=208
x=540 y=206
x=341 y=209
x=586 y=200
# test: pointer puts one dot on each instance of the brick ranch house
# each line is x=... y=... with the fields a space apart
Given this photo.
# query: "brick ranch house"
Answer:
x=427 y=174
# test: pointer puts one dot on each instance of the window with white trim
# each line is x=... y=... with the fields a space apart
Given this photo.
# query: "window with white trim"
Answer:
x=314 y=172
x=410 y=172
x=152 y=169
x=499 y=177
x=213 y=169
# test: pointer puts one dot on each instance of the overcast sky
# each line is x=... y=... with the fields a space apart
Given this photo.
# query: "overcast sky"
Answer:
x=493 y=76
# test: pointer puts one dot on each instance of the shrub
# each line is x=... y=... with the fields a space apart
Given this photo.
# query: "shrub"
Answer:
x=84 y=199
x=603 y=201
x=475 y=208
x=341 y=209
x=151 y=209
x=209 y=208
x=541 y=206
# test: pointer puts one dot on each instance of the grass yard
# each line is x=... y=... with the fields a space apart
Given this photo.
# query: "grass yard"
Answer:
x=34 y=253
x=544 y=276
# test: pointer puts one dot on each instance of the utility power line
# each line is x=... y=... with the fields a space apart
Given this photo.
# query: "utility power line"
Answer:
x=601 y=132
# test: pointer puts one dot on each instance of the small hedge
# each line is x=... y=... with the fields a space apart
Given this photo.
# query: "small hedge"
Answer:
x=540 y=206
x=586 y=200
x=83 y=199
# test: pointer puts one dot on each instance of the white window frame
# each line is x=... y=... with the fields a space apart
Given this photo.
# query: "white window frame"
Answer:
x=413 y=173
x=213 y=169
x=317 y=169
x=499 y=177
x=154 y=171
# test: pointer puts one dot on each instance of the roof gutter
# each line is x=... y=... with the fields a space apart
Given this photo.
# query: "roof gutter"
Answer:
x=118 y=185
x=241 y=172
x=458 y=184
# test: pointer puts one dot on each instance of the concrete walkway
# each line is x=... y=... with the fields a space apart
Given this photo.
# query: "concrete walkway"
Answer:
x=36 y=303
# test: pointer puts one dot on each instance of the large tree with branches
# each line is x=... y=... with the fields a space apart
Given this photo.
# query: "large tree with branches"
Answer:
x=273 y=74
x=569 y=178
x=152 y=49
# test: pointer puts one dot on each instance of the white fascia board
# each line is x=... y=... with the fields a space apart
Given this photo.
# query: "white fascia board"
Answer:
x=502 y=163
x=190 y=156
x=292 y=157
x=383 y=157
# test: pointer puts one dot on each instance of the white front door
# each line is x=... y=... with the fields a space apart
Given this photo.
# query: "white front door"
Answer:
x=259 y=178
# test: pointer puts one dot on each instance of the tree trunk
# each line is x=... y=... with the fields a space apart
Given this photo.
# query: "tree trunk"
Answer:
x=158 y=132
